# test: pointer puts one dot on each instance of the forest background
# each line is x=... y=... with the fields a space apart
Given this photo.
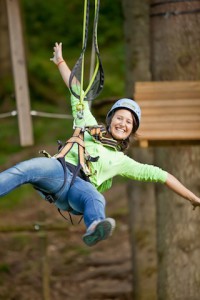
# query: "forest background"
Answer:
x=164 y=229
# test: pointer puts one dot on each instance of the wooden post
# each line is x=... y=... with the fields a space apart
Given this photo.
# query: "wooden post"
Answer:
x=19 y=72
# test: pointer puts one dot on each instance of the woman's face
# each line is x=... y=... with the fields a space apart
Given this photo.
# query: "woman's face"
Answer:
x=122 y=124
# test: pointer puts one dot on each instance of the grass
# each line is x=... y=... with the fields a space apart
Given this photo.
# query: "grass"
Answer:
x=4 y=268
x=16 y=199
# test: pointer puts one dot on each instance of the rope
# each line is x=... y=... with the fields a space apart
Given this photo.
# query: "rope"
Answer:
x=49 y=115
x=8 y=114
x=35 y=113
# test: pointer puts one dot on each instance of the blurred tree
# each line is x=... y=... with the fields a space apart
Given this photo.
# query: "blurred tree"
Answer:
x=175 y=44
x=141 y=197
x=5 y=59
x=168 y=52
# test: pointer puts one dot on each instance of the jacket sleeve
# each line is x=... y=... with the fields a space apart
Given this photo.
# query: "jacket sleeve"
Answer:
x=142 y=172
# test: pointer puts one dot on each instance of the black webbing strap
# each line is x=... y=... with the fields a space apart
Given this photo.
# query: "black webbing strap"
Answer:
x=70 y=217
x=96 y=82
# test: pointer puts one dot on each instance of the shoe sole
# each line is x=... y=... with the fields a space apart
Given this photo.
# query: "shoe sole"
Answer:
x=102 y=231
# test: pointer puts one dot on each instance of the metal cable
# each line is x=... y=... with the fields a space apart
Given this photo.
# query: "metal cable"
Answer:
x=35 y=113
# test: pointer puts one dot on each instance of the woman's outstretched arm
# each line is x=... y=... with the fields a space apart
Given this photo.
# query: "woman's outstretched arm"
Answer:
x=61 y=64
x=176 y=186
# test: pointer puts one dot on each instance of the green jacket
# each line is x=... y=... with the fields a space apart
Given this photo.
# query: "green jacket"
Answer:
x=111 y=162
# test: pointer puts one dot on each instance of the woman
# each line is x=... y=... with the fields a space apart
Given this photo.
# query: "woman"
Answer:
x=83 y=196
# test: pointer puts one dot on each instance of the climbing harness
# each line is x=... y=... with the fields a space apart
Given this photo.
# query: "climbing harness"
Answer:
x=76 y=83
x=83 y=156
x=82 y=169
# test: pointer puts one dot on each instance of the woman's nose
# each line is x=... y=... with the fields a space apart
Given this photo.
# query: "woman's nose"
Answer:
x=122 y=122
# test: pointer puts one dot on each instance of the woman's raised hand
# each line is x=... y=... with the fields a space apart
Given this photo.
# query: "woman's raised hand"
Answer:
x=57 y=53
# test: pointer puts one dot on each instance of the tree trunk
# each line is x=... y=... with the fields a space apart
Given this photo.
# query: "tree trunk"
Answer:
x=175 y=29
x=5 y=61
x=178 y=227
x=175 y=40
x=141 y=197
x=136 y=30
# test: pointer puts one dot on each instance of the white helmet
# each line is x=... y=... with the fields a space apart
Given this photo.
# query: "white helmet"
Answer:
x=127 y=104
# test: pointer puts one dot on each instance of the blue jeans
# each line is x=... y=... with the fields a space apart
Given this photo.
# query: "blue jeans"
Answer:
x=47 y=175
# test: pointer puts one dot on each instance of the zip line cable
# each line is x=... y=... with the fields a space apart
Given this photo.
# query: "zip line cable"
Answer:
x=8 y=114
x=35 y=113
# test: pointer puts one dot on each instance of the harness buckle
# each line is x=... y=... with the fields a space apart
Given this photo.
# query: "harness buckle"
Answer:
x=45 y=153
x=78 y=126
x=49 y=198
x=80 y=110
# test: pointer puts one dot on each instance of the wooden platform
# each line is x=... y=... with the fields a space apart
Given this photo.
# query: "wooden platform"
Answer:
x=170 y=110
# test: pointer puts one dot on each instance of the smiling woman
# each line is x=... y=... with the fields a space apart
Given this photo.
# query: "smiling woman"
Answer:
x=80 y=193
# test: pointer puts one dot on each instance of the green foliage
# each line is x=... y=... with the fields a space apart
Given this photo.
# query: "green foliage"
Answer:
x=9 y=137
x=16 y=199
x=20 y=241
x=45 y=23
x=4 y=268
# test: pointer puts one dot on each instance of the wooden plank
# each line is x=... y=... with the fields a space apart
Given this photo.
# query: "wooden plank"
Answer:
x=169 y=102
x=169 y=110
x=164 y=86
x=19 y=71
x=171 y=118
x=173 y=135
x=167 y=90
x=168 y=95
x=165 y=126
